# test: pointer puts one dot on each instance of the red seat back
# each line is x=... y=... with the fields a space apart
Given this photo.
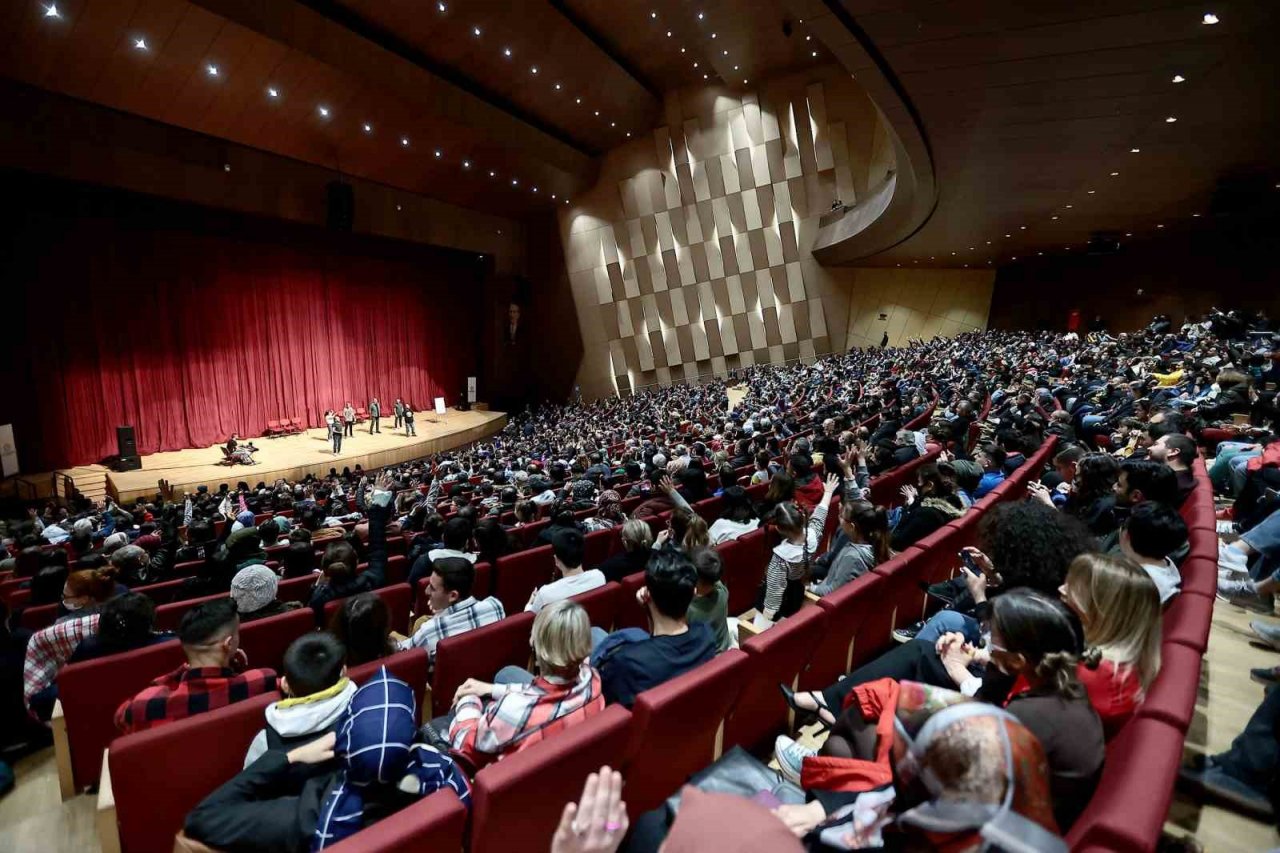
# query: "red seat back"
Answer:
x=1187 y=620
x=169 y=616
x=265 y=640
x=629 y=612
x=775 y=657
x=436 y=822
x=517 y=575
x=398 y=598
x=36 y=618
x=296 y=589
x=744 y=561
x=847 y=608
x=601 y=604
x=675 y=728
x=91 y=691
x=520 y=797
x=411 y=667
x=1172 y=696
x=209 y=749
x=601 y=545
x=479 y=654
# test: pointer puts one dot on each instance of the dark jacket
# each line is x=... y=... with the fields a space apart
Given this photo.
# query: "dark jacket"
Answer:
x=920 y=519
x=275 y=608
x=625 y=563
x=371 y=578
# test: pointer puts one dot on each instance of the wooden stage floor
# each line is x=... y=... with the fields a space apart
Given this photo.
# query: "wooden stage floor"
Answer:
x=293 y=457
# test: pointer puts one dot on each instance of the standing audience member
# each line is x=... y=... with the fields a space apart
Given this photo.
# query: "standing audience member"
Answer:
x=788 y=569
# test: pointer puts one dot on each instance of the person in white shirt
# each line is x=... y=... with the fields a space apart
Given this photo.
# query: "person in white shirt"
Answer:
x=737 y=516
x=455 y=537
x=568 y=548
x=1152 y=532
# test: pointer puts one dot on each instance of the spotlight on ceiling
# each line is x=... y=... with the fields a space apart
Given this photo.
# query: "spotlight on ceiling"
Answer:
x=1178 y=78
x=140 y=44
x=439 y=153
x=273 y=92
x=211 y=70
x=1134 y=150
x=368 y=128
x=466 y=164
x=442 y=8
x=1209 y=19
x=515 y=182
x=475 y=31
x=324 y=111
x=1170 y=119
x=51 y=11
x=404 y=141
x=506 y=51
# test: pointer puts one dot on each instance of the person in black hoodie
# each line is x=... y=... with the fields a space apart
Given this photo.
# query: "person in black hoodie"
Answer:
x=339 y=578
x=930 y=504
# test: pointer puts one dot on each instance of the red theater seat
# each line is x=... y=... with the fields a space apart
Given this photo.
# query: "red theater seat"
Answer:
x=521 y=796
x=160 y=775
x=676 y=727
x=744 y=561
x=169 y=616
x=296 y=589
x=265 y=640
x=398 y=599
x=775 y=657
x=434 y=823
x=90 y=692
x=517 y=575
x=1172 y=696
x=601 y=545
x=411 y=667
x=1187 y=620
x=479 y=654
x=630 y=613
x=847 y=609
x=601 y=604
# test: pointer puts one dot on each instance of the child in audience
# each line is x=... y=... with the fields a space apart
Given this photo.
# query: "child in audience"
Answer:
x=710 y=603
x=317 y=691
x=788 y=569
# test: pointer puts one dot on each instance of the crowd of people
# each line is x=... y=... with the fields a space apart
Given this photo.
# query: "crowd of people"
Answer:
x=1043 y=648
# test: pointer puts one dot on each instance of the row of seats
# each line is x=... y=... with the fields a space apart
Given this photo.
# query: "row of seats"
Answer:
x=1128 y=810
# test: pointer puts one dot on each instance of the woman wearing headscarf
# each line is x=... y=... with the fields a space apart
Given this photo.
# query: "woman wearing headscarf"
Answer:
x=609 y=512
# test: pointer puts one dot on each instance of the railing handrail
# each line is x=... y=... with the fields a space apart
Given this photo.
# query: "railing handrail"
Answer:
x=699 y=378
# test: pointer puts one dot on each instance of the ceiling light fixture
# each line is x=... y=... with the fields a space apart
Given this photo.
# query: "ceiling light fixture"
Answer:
x=226 y=167
x=1115 y=174
x=442 y=8
x=1195 y=216
x=557 y=87
x=1022 y=228
x=1178 y=78
x=745 y=81
x=506 y=51
x=553 y=196
x=713 y=35
x=515 y=182
x=628 y=134
x=492 y=173
x=1008 y=235
x=211 y=70
x=368 y=128
x=273 y=92
x=1128 y=234
x=577 y=100
x=735 y=68
x=1091 y=192
x=140 y=44
x=808 y=38
x=1159 y=226
x=704 y=77
x=1170 y=120
x=404 y=141
x=535 y=189
x=466 y=164
x=814 y=53
x=1134 y=150
x=51 y=11
x=699 y=16
x=682 y=50
x=1068 y=207
x=1053 y=217
x=726 y=53
x=324 y=111
x=597 y=112
x=668 y=33
x=475 y=31
x=653 y=14
x=439 y=153
x=613 y=124
x=1209 y=19
x=533 y=70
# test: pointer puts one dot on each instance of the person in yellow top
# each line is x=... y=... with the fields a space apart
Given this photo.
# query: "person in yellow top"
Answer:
x=1168 y=380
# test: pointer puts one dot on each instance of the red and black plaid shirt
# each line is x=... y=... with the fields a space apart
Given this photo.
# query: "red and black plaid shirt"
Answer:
x=186 y=692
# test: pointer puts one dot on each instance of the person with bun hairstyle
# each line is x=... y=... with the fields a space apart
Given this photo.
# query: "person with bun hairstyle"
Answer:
x=867 y=529
x=87 y=590
x=338 y=578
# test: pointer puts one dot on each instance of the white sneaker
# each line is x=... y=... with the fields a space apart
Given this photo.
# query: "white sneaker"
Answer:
x=791 y=756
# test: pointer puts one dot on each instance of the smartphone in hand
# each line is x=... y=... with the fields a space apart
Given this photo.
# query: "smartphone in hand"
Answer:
x=969 y=565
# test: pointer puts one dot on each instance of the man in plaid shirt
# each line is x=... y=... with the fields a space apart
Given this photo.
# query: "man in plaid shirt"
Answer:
x=213 y=676
x=47 y=650
x=453 y=609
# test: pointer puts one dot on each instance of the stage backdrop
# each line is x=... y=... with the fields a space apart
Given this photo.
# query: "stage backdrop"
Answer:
x=190 y=324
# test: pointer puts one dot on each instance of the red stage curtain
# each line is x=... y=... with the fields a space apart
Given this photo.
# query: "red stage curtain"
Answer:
x=190 y=334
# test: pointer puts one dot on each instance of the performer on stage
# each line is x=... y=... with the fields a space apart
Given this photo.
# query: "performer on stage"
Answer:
x=399 y=412
x=244 y=454
x=335 y=434
x=375 y=415
x=349 y=419
x=408 y=420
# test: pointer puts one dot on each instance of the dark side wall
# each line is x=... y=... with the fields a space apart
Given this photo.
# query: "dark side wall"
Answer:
x=1228 y=263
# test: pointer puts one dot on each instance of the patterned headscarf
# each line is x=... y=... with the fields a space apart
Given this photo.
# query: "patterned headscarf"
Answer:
x=609 y=504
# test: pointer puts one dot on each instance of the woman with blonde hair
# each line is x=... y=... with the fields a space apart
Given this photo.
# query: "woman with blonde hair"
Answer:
x=1119 y=608
x=494 y=720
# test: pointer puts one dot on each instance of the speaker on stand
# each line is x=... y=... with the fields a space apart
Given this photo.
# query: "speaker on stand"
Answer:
x=127 y=450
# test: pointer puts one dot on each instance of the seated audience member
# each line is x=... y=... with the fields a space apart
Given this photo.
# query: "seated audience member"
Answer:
x=562 y=518
x=1118 y=606
x=125 y=623
x=808 y=485
x=609 y=512
x=1243 y=777
x=453 y=610
x=299 y=560
x=788 y=569
x=1178 y=452
x=214 y=676
x=253 y=589
x=456 y=537
x=930 y=504
x=1150 y=534
x=991 y=457
x=523 y=709
x=782 y=489
x=737 y=516
x=861 y=544
x=318 y=794
x=86 y=591
x=637 y=539
x=363 y=625
x=685 y=530
x=1092 y=497
x=492 y=540
x=567 y=550
x=710 y=603
x=338 y=576
x=631 y=661
x=47 y=651
x=317 y=692
x=765 y=468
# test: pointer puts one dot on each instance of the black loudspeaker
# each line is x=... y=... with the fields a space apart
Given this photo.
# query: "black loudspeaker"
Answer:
x=341 y=205
x=128 y=463
x=125 y=444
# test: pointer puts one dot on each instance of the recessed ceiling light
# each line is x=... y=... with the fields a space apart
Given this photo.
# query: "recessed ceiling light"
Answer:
x=1022 y=228
x=1159 y=226
x=535 y=189
x=397 y=207
x=1008 y=235
x=492 y=173
x=577 y=100
x=475 y=31
x=713 y=35
x=1068 y=207
x=1053 y=217
x=704 y=77
x=682 y=50
x=814 y=53
x=466 y=164
x=441 y=7
x=744 y=81
x=668 y=33
x=273 y=92
x=51 y=11
x=1015 y=257
x=566 y=201
x=597 y=112
x=726 y=53
x=514 y=182
x=628 y=134
x=324 y=111
x=1178 y=78
x=1128 y=234
x=1115 y=174
x=695 y=65
x=533 y=70
x=653 y=14
x=226 y=167
x=506 y=51
x=808 y=38
x=735 y=68
x=211 y=70
x=988 y=242
x=1209 y=19
x=1170 y=119
x=439 y=153
x=557 y=87
x=1134 y=150
x=1091 y=192
x=1041 y=254
x=404 y=140
x=140 y=44
x=699 y=16
x=971 y=248
x=368 y=128
x=1195 y=216
x=953 y=253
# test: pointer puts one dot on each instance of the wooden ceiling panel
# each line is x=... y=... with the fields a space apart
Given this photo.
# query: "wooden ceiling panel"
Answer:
x=154 y=20
x=81 y=61
x=184 y=55
x=200 y=88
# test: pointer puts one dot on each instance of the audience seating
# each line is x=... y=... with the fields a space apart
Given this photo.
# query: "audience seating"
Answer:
x=774 y=657
x=398 y=599
x=630 y=613
x=479 y=654
x=517 y=575
x=677 y=729
x=601 y=604
x=600 y=545
x=848 y=609
x=436 y=822
x=744 y=561
x=517 y=801
x=265 y=640
x=481 y=587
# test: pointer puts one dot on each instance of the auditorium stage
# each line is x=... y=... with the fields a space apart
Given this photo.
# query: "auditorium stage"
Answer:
x=293 y=457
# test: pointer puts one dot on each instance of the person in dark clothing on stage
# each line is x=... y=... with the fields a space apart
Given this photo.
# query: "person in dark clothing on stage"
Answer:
x=399 y=410
x=335 y=434
x=408 y=420
x=375 y=416
x=348 y=419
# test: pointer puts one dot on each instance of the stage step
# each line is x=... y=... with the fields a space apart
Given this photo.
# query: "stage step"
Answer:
x=90 y=480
